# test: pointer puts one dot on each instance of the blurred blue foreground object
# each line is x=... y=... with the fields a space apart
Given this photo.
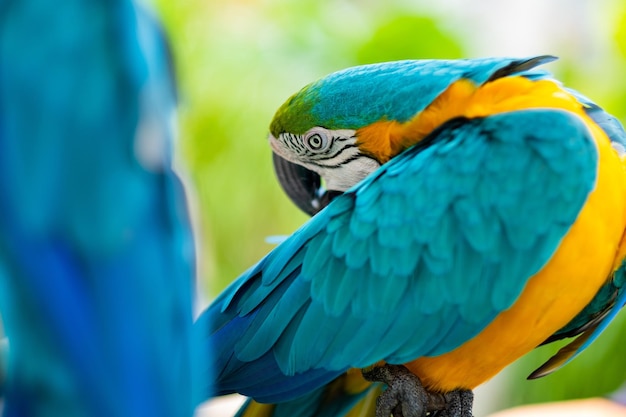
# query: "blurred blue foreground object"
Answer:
x=96 y=251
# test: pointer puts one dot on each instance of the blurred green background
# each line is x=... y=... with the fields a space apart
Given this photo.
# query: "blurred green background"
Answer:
x=238 y=60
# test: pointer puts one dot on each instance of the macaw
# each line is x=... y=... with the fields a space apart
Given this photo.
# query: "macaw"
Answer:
x=96 y=251
x=476 y=209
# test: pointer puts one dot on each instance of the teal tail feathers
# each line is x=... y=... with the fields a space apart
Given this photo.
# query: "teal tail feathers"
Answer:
x=347 y=396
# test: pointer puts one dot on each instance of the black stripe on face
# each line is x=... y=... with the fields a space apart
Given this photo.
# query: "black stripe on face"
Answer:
x=323 y=157
x=295 y=142
x=345 y=162
x=342 y=138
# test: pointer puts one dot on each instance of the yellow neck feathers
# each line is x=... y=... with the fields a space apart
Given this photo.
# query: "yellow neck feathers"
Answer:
x=385 y=139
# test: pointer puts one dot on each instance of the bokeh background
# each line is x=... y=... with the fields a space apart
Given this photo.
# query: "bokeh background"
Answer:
x=238 y=60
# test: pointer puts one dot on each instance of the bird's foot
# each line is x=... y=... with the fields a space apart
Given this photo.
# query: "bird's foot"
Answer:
x=458 y=403
x=405 y=396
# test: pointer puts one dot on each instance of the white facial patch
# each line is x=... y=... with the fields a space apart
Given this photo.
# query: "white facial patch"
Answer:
x=349 y=174
x=333 y=154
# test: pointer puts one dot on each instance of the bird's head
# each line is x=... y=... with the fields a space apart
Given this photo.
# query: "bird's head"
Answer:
x=343 y=127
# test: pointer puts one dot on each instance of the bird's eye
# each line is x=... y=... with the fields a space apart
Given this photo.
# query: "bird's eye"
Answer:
x=316 y=141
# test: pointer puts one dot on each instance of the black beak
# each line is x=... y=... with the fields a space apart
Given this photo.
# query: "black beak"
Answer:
x=302 y=186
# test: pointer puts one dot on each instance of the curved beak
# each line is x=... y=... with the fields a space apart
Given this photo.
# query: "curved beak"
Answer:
x=302 y=186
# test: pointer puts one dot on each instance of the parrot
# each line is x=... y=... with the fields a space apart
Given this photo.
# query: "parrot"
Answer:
x=97 y=254
x=464 y=213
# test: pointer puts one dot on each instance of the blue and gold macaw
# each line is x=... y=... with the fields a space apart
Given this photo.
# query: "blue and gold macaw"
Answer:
x=477 y=210
x=96 y=253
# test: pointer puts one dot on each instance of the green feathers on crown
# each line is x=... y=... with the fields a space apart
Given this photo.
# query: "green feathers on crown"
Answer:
x=296 y=114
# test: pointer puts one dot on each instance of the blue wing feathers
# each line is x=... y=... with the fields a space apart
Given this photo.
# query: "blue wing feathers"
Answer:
x=405 y=262
x=398 y=236
x=392 y=210
x=380 y=259
x=430 y=291
x=356 y=257
x=387 y=297
x=275 y=270
x=438 y=253
x=466 y=258
x=473 y=220
x=362 y=347
x=261 y=378
x=345 y=291
x=419 y=336
x=341 y=243
x=248 y=293
x=360 y=228
x=315 y=260
x=267 y=325
x=324 y=290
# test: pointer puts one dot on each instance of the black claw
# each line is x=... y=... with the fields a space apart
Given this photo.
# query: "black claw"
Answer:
x=459 y=403
x=405 y=396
